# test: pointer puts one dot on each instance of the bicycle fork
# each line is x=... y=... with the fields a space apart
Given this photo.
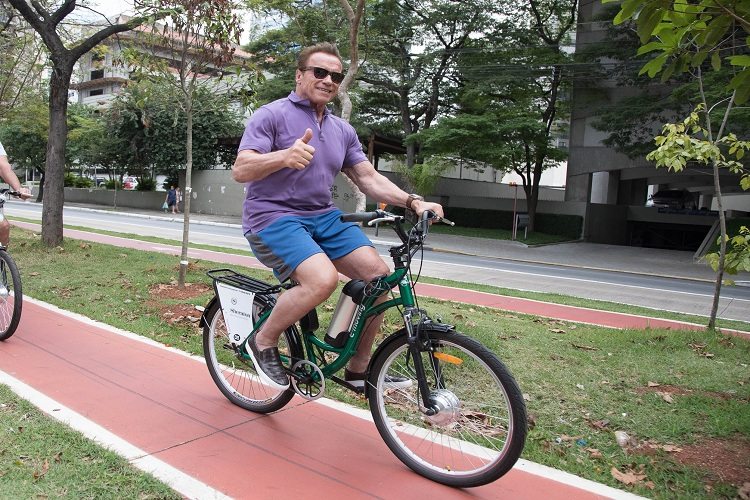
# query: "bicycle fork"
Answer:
x=415 y=341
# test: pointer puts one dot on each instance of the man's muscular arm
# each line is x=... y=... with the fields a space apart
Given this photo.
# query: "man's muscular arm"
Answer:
x=380 y=188
x=252 y=166
x=6 y=172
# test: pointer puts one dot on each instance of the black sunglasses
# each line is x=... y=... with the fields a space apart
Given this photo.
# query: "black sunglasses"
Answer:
x=321 y=73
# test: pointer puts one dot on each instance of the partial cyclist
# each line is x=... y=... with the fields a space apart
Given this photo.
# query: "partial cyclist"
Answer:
x=290 y=153
x=10 y=178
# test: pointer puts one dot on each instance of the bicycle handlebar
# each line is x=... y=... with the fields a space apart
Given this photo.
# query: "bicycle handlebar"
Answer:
x=371 y=218
x=378 y=216
x=11 y=192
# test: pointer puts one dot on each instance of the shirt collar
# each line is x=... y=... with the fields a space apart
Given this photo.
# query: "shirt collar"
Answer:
x=304 y=102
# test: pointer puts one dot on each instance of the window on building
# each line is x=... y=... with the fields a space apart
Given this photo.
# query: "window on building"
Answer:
x=94 y=92
x=97 y=73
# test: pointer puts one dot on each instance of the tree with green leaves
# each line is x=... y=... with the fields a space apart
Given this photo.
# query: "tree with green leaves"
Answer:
x=412 y=48
x=22 y=63
x=64 y=49
x=509 y=104
x=147 y=119
x=27 y=129
x=695 y=39
x=197 y=50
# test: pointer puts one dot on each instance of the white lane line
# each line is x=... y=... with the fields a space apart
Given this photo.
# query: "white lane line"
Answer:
x=525 y=465
x=582 y=280
x=173 y=477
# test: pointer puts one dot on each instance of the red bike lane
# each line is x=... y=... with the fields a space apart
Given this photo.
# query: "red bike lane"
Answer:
x=165 y=404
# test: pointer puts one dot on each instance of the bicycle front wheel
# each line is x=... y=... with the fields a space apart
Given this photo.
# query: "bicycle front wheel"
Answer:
x=474 y=428
x=233 y=371
x=11 y=296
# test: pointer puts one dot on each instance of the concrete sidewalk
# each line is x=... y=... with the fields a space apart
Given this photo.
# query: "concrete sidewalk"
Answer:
x=650 y=261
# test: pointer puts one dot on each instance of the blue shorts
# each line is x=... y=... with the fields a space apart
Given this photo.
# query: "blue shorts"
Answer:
x=290 y=240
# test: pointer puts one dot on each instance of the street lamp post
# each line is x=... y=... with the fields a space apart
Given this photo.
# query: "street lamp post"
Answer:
x=515 y=199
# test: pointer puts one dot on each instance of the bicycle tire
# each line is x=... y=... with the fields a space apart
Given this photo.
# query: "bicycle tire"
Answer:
x=11 y=295
x=481 y=429
x=234 y=374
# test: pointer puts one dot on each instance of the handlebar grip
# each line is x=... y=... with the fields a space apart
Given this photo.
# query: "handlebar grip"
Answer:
x=363 y=217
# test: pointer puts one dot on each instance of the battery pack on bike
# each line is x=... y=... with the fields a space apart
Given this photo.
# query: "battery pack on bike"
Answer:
x=345 y=314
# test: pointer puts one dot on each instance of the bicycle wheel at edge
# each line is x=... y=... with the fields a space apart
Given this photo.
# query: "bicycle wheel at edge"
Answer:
x=11 y=296
x=480 y=431
x=235 y=375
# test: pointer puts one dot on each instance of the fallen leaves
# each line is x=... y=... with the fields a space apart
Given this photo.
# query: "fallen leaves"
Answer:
x=38 y=474
x=700 y=349
x=665 y=396
x=585 y=347
x=631 y=477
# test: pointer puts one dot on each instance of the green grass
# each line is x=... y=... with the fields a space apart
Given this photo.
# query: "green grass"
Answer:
x=42 y=458
x=532 y=238
x=580 y=381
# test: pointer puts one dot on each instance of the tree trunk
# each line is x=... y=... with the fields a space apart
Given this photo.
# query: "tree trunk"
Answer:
x=54 y=196
x=40 y=195
x=354 y=17
x=188 y=189
x=722 y=250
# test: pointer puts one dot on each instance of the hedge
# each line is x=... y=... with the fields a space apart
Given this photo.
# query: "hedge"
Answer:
x=569 y=226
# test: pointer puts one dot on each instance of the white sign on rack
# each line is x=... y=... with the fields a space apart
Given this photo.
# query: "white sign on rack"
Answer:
x=237 y=306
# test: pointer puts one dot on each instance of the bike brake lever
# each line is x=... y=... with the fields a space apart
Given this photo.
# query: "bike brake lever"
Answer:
x=444 y=220
x=381 y=219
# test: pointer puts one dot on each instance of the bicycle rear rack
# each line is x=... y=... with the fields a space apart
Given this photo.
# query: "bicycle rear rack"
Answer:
x=237 y=280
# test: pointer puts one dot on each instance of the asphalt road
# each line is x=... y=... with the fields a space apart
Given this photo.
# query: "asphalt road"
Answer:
x=658 y=292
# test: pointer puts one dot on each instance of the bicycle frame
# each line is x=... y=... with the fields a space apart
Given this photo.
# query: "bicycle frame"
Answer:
x=368 y=310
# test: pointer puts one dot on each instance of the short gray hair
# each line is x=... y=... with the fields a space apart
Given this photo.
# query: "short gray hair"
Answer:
x=325 y=47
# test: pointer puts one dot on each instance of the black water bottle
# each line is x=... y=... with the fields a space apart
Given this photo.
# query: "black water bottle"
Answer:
x=345 y=313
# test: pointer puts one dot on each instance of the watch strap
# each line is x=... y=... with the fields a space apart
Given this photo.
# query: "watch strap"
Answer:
x=410 y=199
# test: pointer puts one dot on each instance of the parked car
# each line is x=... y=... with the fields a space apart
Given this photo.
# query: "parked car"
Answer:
x=677 y=199
x=129 y=182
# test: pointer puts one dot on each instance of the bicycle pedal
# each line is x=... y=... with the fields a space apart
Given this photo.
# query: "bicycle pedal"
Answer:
x=347 y=385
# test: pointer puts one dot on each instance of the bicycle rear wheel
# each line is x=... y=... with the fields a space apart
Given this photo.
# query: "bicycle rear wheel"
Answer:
x=232 y=369
x=479 y=429
x=11 y=296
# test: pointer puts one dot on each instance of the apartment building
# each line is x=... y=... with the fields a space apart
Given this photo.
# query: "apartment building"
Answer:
x=102 y=73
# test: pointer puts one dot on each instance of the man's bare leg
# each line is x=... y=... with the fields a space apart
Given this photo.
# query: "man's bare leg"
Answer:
x=317 y=278
x=4 y=232
x=364 y=263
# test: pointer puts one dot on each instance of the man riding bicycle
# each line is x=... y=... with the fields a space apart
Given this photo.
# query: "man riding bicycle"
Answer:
x=10 y=178
x=289 y=156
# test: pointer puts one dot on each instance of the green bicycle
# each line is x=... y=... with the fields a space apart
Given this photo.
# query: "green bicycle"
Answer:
x=460 y=421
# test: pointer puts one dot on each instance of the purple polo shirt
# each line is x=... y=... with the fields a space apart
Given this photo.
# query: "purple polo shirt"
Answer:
x=289 y=191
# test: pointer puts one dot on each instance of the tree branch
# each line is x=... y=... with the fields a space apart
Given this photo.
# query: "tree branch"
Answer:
x=65 y=9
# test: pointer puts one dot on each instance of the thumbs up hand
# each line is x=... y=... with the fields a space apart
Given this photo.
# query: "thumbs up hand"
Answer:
x=300 y=153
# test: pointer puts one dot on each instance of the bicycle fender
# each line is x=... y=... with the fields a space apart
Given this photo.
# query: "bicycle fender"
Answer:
x=204 y=321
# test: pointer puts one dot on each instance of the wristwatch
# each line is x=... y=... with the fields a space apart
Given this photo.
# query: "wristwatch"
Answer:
x=410 y=199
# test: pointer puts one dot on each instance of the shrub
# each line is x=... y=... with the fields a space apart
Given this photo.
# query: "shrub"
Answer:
x=110 y=184
x=559 y=224
x=72 y=180
x=146 y=184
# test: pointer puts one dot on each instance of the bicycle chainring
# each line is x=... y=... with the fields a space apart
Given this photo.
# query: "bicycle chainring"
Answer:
x=308 y=381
